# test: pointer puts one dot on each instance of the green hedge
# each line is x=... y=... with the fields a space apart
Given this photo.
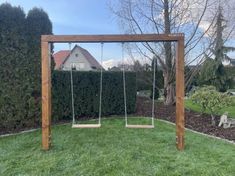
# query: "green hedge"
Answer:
x=86 y=94
x=20 y=71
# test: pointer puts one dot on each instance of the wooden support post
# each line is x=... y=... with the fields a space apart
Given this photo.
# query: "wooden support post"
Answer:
x=180 y=95
x=46 y=96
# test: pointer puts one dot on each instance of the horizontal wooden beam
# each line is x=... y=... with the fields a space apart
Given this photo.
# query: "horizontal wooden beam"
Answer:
x=112 y=38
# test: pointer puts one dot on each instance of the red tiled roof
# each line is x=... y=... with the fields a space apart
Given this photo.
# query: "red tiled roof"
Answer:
x=59 y=57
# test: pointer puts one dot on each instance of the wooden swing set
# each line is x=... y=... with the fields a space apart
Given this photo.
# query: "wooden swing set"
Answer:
x=47 y=40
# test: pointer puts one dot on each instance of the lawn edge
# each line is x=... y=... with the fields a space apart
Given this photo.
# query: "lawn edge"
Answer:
x=29 y=131
x=203 y=134
x=161 y=120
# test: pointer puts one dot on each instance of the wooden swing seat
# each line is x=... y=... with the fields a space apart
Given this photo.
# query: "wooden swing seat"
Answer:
x=139 y=126
x=86 y=125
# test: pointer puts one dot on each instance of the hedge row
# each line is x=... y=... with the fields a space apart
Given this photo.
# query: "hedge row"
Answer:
x=20 y=67
x=86 y=94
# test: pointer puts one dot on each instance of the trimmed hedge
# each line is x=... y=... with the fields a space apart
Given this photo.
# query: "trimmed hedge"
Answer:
x=86 y=94
x=20 y=71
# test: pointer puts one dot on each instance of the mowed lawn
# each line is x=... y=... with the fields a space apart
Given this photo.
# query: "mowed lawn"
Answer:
x=115 y=150
x=195 y=107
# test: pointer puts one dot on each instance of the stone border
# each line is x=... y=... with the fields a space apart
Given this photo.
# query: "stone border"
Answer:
x=203 y=134
x=27 y=131
x=196 y=132
x=22 y=132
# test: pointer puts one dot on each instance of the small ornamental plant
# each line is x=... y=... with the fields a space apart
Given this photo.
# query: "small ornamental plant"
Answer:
x=211 y=100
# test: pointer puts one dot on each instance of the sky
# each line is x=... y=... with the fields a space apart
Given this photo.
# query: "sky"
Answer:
x=80 y=17
x=74 y=16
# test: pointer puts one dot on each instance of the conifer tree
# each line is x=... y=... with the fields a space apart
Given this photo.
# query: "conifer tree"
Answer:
x=37 y=24
x=20 y=67
x=13 y=66
x=213 y=71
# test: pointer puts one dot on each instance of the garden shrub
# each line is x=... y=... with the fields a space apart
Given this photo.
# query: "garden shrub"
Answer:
x=211 y=100
x=86 y=94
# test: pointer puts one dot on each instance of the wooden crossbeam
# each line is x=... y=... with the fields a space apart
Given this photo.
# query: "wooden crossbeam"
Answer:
x=112 y=38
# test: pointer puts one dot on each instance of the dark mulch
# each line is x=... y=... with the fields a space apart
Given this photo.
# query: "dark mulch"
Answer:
x=193 y=120
x=28 y=127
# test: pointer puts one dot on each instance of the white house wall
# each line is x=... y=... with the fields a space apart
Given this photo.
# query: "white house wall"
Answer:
x=80 y=60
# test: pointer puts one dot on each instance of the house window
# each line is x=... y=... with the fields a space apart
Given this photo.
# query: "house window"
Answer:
x=77 y=66
x=73 y=66
x=76 y=55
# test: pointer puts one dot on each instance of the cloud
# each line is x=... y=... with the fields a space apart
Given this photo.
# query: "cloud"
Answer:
x=109 y=63
x=204 y=26
x=116 y=62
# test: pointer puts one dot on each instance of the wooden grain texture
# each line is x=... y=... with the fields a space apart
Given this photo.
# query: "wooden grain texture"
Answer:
x=139 y=126
x=112 y=38
x=46 y=96
x=86 y=125
x=180 y=95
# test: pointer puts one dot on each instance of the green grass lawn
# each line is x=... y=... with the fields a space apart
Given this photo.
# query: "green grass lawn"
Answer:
x=115 y=150
x=231 y=109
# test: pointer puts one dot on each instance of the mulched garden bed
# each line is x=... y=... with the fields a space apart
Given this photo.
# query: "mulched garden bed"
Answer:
x=28 y=127
x=193 y=120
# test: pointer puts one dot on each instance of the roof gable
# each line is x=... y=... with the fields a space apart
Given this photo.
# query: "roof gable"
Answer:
x=92 y=61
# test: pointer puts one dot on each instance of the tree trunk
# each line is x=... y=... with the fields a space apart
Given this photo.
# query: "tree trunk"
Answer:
x=169 y=88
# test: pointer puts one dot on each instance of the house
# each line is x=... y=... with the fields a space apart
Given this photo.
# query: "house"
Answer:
x=78 y=58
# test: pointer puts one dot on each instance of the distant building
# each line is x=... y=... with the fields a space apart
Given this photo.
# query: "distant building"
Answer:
x=78 y=58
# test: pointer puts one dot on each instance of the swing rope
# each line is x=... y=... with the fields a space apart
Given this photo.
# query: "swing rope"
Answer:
x=124 y=83
x=74 y=125
x=154 y=86
x=71 y=80
x=101 y=82
x=153 y=95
